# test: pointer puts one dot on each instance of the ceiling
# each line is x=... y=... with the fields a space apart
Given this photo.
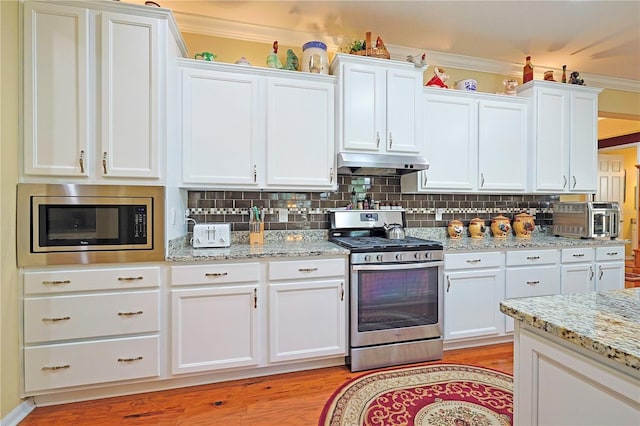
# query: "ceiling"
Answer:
x=594 y=37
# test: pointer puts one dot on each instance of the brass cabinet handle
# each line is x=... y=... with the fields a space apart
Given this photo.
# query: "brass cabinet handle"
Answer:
x=138 y=358
x=81 y=161
x=105 y=156
x=533 y=257
x=129 y=314
x=60 y=282
x=56 y=319
x=56 y=367
x=533 y=282
x=341 y=292
x=130 y=278
x=216 y=274
x=307 y=269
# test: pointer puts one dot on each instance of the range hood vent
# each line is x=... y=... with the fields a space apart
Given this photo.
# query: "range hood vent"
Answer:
x=365 y=164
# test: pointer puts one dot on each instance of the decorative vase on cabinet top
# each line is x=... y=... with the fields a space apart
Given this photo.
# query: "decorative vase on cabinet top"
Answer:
x=523 y=225
x=476 y=228
x=455 y=229
x=500 y=226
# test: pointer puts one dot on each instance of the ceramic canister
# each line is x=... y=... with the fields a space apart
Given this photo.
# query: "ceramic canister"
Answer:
x=455 y=229
x=523 y=225
x=476 y=228
x=500 y=226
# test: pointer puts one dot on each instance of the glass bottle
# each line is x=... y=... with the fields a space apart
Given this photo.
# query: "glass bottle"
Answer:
x=527 y=71
x=564 y=73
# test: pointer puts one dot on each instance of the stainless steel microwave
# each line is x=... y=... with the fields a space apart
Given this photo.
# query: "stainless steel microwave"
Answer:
x=589 y=219
x=82 y=224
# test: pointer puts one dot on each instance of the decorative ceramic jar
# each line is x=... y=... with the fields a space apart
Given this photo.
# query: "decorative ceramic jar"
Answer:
x=523 y=225
x=500 y=226
x=476 y=228
x=455 y=229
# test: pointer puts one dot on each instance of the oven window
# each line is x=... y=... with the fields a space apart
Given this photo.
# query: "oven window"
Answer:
x=397 y=298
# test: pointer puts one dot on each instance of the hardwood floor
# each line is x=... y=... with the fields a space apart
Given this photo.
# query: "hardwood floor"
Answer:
x=286 y=399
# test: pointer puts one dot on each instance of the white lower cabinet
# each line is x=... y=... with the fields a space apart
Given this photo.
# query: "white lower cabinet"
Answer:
x=531 y=273
x=214 y=324
x=307 y=309
x=592 y=269
x=473 y=289
x=88 y=326
x=239 y=315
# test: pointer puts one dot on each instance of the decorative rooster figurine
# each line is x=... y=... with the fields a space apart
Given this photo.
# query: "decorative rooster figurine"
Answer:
x=272 y=59
x=417 y=60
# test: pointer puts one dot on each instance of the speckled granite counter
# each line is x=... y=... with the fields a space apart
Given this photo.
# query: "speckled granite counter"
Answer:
x=246 y=251
x=606 y=323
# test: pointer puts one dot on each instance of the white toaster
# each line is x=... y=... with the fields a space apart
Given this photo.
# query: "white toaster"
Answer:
x=208 y=235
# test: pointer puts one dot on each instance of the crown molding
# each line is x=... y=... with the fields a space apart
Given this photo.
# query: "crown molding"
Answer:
x=197 y=24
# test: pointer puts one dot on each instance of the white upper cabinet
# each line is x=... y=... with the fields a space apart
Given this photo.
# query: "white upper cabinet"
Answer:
x=256 y=128
x=380 y=104
x=473 y=142
x=95 y=84
x=564 y=149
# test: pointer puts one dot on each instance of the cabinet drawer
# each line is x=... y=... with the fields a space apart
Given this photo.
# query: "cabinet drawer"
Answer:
x=217 y=273
x=532 y=257
x=578 y=254
x=84 y=363
x=94 y=315
x=529 y=282
x=609 y=253
x=60 y=281
x=473 y=260
x=314 y=268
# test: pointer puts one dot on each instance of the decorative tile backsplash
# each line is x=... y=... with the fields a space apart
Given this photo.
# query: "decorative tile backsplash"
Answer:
x=308 y=210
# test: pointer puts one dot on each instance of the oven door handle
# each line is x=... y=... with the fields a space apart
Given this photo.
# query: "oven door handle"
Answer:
x=397 y=266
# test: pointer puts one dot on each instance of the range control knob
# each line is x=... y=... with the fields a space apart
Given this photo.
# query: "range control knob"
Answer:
x=417 y=255
x=428 y=255
x=367 y=258
x=379 y=258
x=399 y=256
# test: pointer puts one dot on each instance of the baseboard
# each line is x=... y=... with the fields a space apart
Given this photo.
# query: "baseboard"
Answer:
x=19 y=413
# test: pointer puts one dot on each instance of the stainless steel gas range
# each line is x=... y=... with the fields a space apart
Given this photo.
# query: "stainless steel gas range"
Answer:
x=395 y=290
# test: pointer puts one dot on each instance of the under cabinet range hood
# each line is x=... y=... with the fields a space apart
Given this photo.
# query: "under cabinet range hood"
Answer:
x=366 y=164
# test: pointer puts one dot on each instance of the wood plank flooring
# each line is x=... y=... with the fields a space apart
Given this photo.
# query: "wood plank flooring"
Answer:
x=285 y=399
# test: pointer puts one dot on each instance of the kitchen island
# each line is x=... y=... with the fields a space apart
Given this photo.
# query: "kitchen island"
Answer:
x=577 y=358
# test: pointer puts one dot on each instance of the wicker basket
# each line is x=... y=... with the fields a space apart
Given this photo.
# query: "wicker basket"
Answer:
x=372 y=51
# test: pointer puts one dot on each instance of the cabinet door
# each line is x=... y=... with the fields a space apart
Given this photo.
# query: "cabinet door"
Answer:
x=364 y=104
x=300 y=134
x=222 y=128
x=306 y=319
x=472 y=303
x=577 y=278
x=56 y=90
x=404 y=103
x=552 y=136
x=450 y=138
x=130 y=98
x=502 y=146
x=215 y=328
x=609 y=276
x=584 y=142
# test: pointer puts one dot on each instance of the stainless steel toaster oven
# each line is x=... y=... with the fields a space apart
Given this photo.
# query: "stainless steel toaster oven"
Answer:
x=587 y=219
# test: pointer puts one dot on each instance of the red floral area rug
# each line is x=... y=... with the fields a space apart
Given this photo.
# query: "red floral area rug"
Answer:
x=438 y=394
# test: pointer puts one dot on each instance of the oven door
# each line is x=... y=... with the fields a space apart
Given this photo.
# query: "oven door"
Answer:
x=395 y=303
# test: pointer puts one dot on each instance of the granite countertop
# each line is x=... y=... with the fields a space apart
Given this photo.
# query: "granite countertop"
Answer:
x=243 y=250
x=606 y=323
